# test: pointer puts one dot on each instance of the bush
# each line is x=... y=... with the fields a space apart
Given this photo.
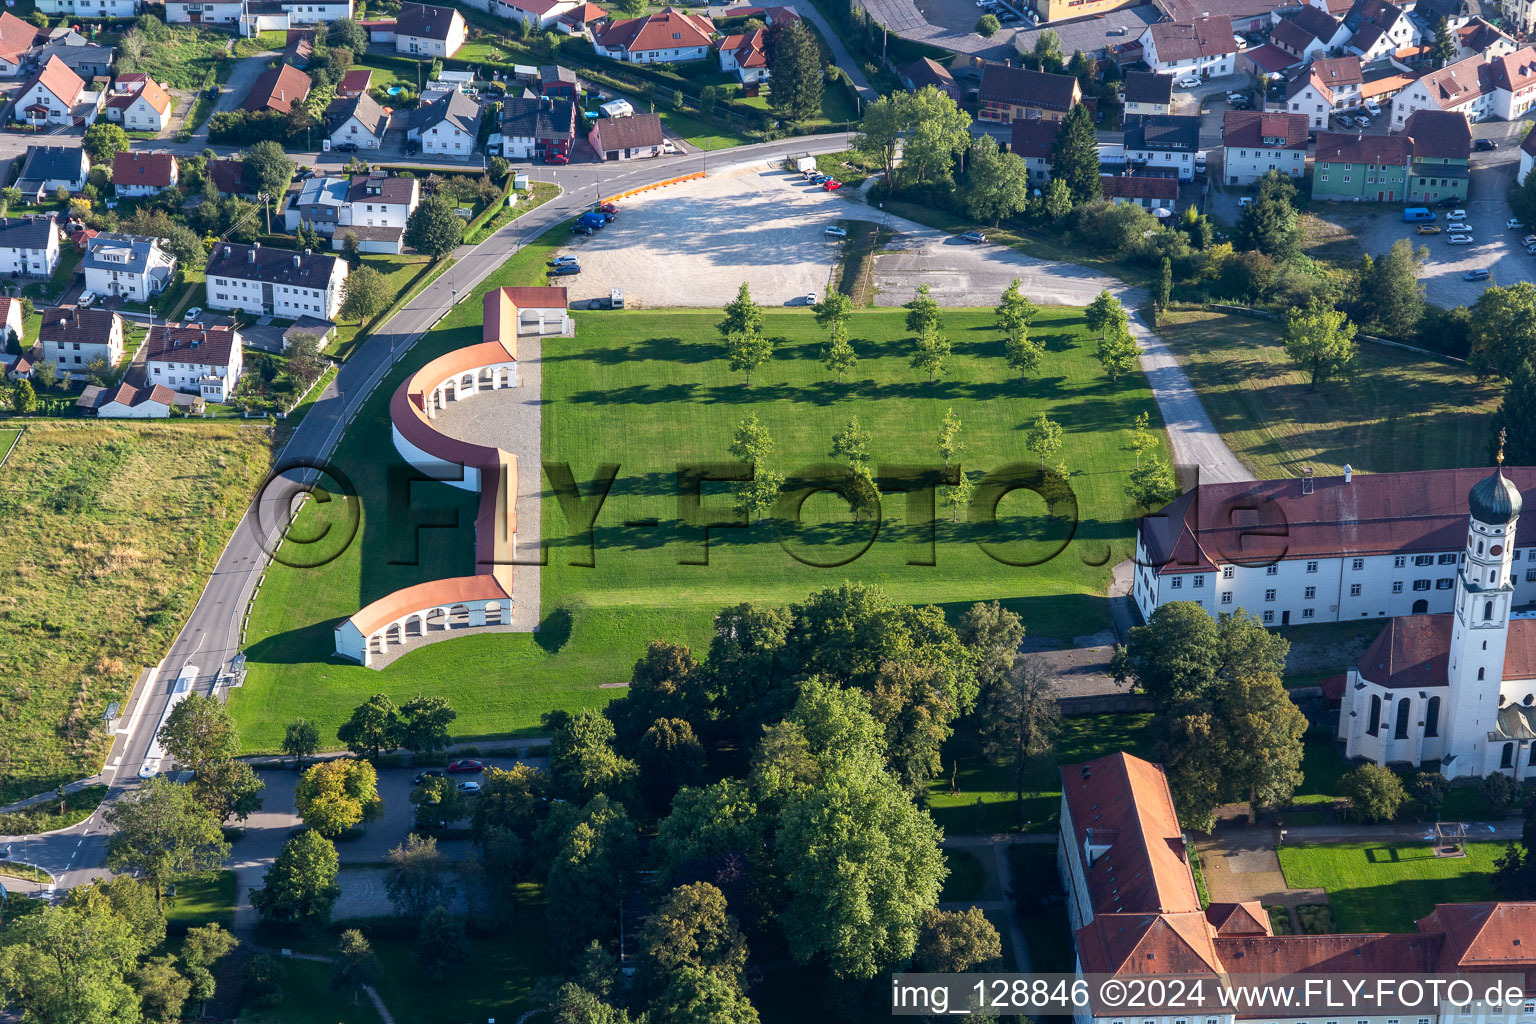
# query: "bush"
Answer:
x=1374 y=793
x=1316 y=919
x=988 y=25
x=263 y=982
x=1498 y=791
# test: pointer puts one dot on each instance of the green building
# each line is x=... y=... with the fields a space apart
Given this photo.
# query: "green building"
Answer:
x=1361 y=168
x=1442 y=153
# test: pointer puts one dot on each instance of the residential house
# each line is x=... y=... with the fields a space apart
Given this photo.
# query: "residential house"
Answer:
x=380 y=30
x=558 y=83
x=317 y=204
x=773 y=17
x=1379 y=28
x=47 y=169
x=668 y=36
x=1383 y=79
x=29 y=246
x=1361 y=168
x=1202 y=46
x=924 y=72
x=1268 y=59
x=229 y=178
x=12 y=325
x=139 y=104
x=73 y=338
x=275 y=282
x=1442 y=151
x=1464 y=87
x=56 y=95
x=1009 y=94
x=17 y=38
x=204 y=12
x=581 y=20
x=126 y=402
x=538 y=15
x=422 y=30
x=14 y=366
x=1033 y=142
x=300 y=49
x=279 y=89
x=86 y=60
x=1325 y=87
x=1478 y=38
x=1061 y=10
x=537 y=128
x=375 y=212
x=358 y=121
x=1307 y=32
x=137 y=173
x=1146 y=93
x=1256 y=142
x=747 y=55
x=1139 y=190
x=628 y=138
x=130 y=267
x=447 y=126
x=89 y=8
x=1527 y=157
x=354 y=83
x=195 y=358
x=1513 y=76
x=323 y=331
x=1164 y=144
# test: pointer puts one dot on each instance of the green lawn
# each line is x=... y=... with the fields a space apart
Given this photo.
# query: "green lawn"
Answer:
x=399 y=271
x=701 y=134
x=309 y=999
x=8 y=436
x=979 y=797
x=966 y=876
x=1401 y=412
x=261 y=43
x=649 y=390
x=47 y=817
x=182 y=56
x=384 y=75
x=203 y=899
x=1389 y=886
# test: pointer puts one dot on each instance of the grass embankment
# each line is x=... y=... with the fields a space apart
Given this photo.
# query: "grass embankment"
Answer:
x=54 y=814
x=113 y=527
x=183 y=56
x=399 y=273
x=1399 y=412
x=1376 y=887
x=539 y=193
x=650 y=390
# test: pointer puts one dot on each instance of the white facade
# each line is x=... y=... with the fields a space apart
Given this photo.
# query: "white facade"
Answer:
x=535 y=14
x=32 y=262
x=1310 y=100
x=141 y=115
x=113 y=268
x=90 y=8
x=684 y=53
x=444 y=139
x=313 y=12
x=1209 y=65
x=146 y=410
x=286 y=301
x=215 y=383
x=203 y=12
x=72 y=357
x=56 y=109
x=1182 y=161
x=358 y=134
x=1244 y=165
x=429 y=47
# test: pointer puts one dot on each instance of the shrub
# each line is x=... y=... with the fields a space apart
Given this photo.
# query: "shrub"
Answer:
x=988 y=25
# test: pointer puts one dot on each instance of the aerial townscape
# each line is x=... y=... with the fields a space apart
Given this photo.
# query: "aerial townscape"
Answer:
x=553 y=512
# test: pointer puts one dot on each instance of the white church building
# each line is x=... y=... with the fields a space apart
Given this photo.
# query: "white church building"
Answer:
x=1458 y=687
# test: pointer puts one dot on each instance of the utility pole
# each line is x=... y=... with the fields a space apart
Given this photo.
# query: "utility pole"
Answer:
x=266 y=202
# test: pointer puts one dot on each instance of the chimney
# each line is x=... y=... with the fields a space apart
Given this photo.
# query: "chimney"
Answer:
x=1348 y=472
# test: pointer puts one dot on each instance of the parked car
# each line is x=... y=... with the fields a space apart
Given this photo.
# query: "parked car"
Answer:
x=86 y=299
x=1459 y=240
x=818 y=178
x=836 y=232
x=1447 y=203
x=565 y=270
x=430 y=773
x=1528 y=240
x=557 y=158
x=1371 y=108
x=1007 y=17
x=1457 y=215
x=581 y=229
x=1238 y=101
x=465 y=766
x=1245 y=201
x=471 y=787
x=1475 y=275
x=609 y=208
x=1188 y=82
x=1484 y=145
x=1428 y=229
x=191 y=315
x=973 y=236
x=560 y=261
x=1199 y=163
x=1513 y=224
x=811 y=298
x=346 y=147
x=832 y=185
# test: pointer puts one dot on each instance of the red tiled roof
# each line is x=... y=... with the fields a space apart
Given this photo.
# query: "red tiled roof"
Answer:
x=1439 y=134
x=191 y=343
x=228 y=176
x=1247 y=918
x=668 y=29
x=1259 y=129
x=1415 y=651
x=1172 y=943
x=355 y=81
x=1203 y=37
x=16 y=37
x=156 y=169
x=1339 y=148
x=127 y=394
x=1350 y=953
x=1514 y=70
x=1484 y=936
x=537 y=297
x=750 y=48
x=58 y=79
x=1456 y=83
x=584 y=13
x=1271 y=58
x=633 y=132
x=280 y=88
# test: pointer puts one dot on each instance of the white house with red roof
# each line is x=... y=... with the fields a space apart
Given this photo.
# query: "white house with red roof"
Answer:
x=1256 y=142
x=126 y=402
x=1513 y=77
x=581 y=19
x=747 y=55
x=536 y=14
x=56 y=95
x=668 y=36
x=195 y=358
x=144 y=174
x=424 y=30
x=138 y=103
x=1202 y=46
x=11 y=324
x=1323 y=88
x=17 y=37
x=1465 y=87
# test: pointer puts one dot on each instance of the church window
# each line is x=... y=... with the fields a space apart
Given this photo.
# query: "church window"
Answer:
x=1531 y=761
x=1373 y=724
x=1479 y=547
x=1487 y=611
x=1400 y=732
x=1432 y=718
x=1480 y=675
x=1507 y=758
x=1493 y=576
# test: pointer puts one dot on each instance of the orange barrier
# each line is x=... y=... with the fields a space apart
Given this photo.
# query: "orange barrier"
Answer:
x=647 y=188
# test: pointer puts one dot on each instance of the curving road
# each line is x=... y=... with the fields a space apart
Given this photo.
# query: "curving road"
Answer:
x=211 y=636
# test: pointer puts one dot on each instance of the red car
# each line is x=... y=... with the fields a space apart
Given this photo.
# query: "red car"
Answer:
x=832 y=186
x=466 y=766
x=557 y=158
x=609 y=208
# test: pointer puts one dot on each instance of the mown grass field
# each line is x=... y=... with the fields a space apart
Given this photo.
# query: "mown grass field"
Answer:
x=1386 y=887
x=1399 y=412
x=112 y=529
x=648 y=391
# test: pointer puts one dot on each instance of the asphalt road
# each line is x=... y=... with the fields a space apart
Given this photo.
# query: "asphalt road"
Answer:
x=211 y=636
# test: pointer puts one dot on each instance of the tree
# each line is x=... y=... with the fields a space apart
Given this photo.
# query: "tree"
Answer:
x=836 y=308
x=1181 y=652
x=1105 y=314
x=267 y=169
x=441 y=944
x=424 y=724
x=1020 y=719
x=710 y=822
x=957 y=941
x=435 y=228
x=1058 y=200
x=262 y=981
x=349 y=246
x=438 y=802
x=230 y=788
x=582 y=761
x=742 y=315
x=697 y=997
x=938 y=131
x=1522 y=199
x=997 y=184
x=23 y=398
x=882 y=129
x=950 y=445
x=199 y=732
x=666 y=682
x=69 y=965
x=691 y=928
x=300 y=740
x=752 y=443
x=987 y=26
x=104 y=140
x=839 y=356
x=593 y=846
x=1444 y=49
x=355 y=965
x=993 y=634
x=851 y=443
x=1047 y=52
x=1117 y=352
x=1430 y=788
x=795 y=73
x=1497 y=790
x=45 y=374
x=1152 y=484
x=1015 y=313
x=367 y=293
x=163 y=990
x=1044 y=438
x=416 y=880
x=747 y=352
x=1266 y=729
x=161 y=830
x=1164 y=285
x=300 y=885
x=1143 y=440
x=922 y=312
x=347 y=32
x=669 y=756
x=333 y=796
x=373 y=727
x=201 y=951
x=1270 y=223
x=1023 y=354
x=515 y=800
x=1503 y=329
x=1075 y=155
x=1320 y=340
x=1391 y=297
x=1374 y=792
x=931 y=351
